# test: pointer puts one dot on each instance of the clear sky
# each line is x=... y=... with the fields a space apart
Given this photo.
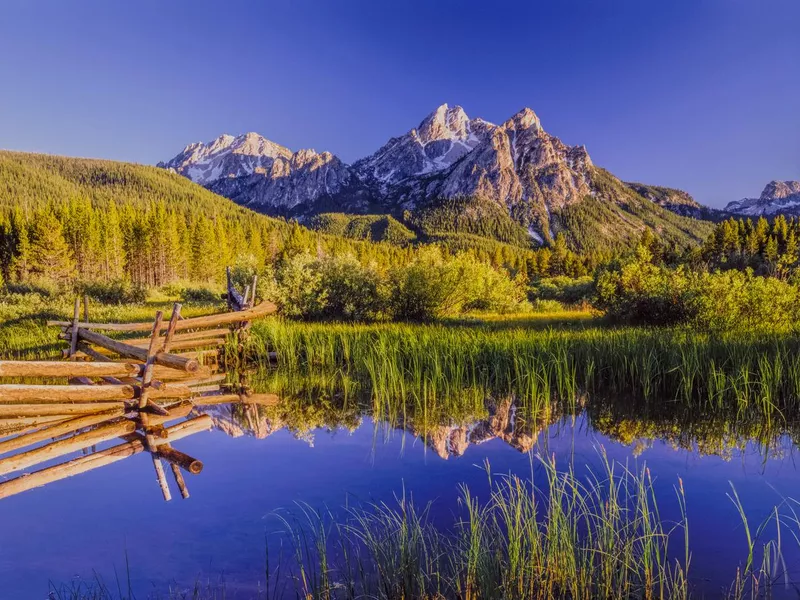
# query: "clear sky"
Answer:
x=698 y=94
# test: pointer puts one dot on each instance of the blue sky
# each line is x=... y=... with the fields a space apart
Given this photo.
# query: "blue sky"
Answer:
x=698 y=94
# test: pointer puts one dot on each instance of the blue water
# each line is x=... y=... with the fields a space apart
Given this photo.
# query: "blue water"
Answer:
x=68 y=529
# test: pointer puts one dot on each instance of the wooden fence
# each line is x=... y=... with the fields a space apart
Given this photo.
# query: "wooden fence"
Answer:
x=129 y=389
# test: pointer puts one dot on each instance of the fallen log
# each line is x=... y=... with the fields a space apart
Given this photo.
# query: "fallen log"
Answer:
x=176 y=457
x=177 y=411
x=44 y=368
x=86 y=393
x=65 y=409
x=260 y=399
x=161 y=358
x=103 y=433
x=182 y=337
x=262 y=310
x=98 y=459
x=21 y=425
x=58 y=429
x=191 y=344
x=65 y=393
x=169 y=374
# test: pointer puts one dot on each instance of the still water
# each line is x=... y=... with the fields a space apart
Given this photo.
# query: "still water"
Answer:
x=91 y=522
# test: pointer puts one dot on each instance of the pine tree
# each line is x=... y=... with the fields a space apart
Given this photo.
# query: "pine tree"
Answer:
x=50 y=256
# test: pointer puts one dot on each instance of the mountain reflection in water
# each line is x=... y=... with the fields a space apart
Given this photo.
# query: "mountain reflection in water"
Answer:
x=336 y=448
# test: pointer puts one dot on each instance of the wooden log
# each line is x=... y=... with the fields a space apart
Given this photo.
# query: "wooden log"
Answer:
x=191 y=344
x=103 y=433
x=182 y=337
x=98 y=459
x=163 y=358
x=86 y=308
x=18 y=393
x=193 y=383
x=60 y=428
x=170 y=391
x=21 y=425
x=92 y=353
x=75 y=320
x=167 y=374
x=177 y=411
x=45 y=368
x=66 y=409
x=65 y=393
x=260 y=399
x=179 y=480
x=147 y=378
x=204 y=389
x=154 y=409
x=216 y=320
x=176 y=457
x=173 y=322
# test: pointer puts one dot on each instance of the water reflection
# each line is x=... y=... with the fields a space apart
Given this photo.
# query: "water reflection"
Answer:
x=341 y=444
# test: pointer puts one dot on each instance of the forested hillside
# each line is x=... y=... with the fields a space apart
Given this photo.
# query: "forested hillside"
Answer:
x=67 y=219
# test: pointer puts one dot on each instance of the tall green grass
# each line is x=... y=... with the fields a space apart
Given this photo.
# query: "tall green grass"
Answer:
x=753 y=374
x=578 y=537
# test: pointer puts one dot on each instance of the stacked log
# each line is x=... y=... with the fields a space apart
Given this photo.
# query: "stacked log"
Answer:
x=121 y=388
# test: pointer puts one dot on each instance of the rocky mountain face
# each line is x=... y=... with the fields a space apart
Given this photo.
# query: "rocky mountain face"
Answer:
x=253 y=171
x=532 y=175
x=779 y=197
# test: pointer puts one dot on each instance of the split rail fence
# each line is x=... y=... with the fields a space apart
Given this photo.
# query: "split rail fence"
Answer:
x=141 y=390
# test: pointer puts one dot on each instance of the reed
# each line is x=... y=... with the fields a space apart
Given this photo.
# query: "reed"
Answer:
x=756 y=373
x=579 y=537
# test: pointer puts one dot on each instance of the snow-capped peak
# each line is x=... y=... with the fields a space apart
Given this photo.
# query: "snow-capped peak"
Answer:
x=227 y=156
x=778 y=197
x=442 y=138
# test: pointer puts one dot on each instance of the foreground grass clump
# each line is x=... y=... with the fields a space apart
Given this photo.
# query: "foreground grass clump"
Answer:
x=570 y=537
x=757 y=374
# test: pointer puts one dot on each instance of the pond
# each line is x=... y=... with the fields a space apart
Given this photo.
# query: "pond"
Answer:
x=260 y=463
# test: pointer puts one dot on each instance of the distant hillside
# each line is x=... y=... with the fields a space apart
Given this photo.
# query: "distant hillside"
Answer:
x=71 y=218
x=376 y=228
x=67 y=220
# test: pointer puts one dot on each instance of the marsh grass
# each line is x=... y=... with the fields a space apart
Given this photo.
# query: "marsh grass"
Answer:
x=752 y=374
x=600 y=535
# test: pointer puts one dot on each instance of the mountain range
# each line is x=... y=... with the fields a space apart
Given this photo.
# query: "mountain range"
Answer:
x=451 y=173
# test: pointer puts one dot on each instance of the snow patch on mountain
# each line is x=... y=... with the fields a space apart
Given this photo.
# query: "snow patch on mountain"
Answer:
x=778 y=197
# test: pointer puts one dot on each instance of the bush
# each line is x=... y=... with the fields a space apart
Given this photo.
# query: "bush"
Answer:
x=642 y=293
x=296 y=287
x=41 y=287
x=566 y=290
x=119 y=291
x=201 y=294
x=547 y=306
x=432 y=287
x=353 y=292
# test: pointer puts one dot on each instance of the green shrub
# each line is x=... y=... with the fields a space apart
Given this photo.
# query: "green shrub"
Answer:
x=432 y=287
x=566 y=290
x=201 y=294
x=643 y=293
x=546 y=306
x=119 y=291
x=42 y=287
x=353 y=292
